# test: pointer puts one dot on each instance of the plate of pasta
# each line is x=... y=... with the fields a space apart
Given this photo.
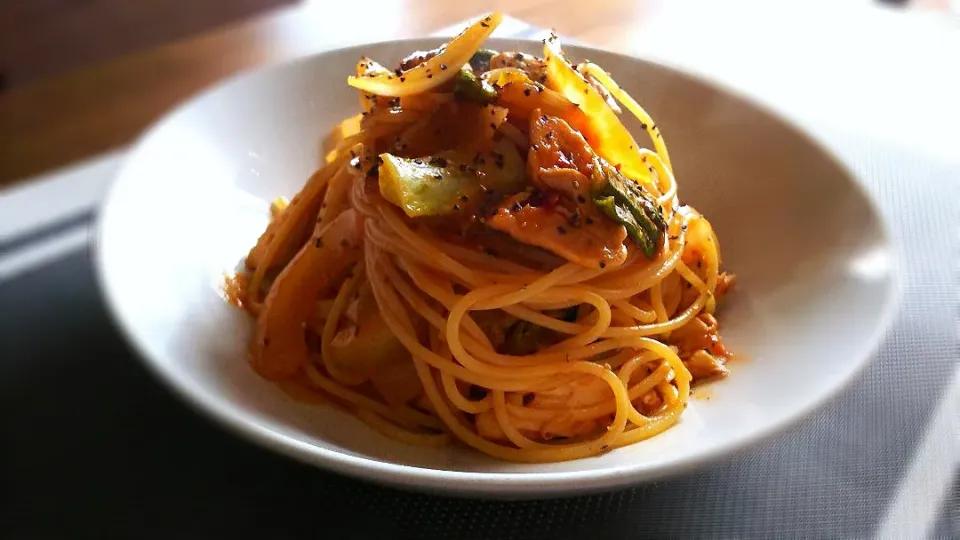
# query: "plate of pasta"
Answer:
x=476 y=266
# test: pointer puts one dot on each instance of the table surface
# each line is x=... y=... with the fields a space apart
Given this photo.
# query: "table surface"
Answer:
x=66 y=118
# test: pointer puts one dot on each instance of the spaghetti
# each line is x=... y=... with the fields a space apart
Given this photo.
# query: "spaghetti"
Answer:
x=488 y=256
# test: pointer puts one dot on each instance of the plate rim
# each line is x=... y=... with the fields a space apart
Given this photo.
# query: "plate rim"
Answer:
x=487 y=484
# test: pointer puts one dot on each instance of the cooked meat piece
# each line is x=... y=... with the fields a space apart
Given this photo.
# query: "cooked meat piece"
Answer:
x=533 y=66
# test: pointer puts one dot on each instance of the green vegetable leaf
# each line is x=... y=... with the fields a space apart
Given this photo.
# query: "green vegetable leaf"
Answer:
x=480 y=61
x=424 y=187
x=625 y=202
x=449 y=182
x=468 y=87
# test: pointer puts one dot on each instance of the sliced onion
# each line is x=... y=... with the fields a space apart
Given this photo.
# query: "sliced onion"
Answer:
x=608 y=136
x=434 y=72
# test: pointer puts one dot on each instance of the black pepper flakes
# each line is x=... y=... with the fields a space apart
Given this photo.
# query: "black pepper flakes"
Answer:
x=403 y=79
x=443 y=67
x=643 y=126
x=438 y=176
x=548 y=136
x=543 y=117
x=398 y=72
x=429 y=75
x=344 y=243
x=485 y=25
x=603 y=265
x=456 y=208
x=418 y=161
x=493 y=126
x=542 y=79
x=581 y=199
x=561 y=230
x=589 y=220
x=699 y=264
x=464 y=198
x=318 y=242
x=526 y=92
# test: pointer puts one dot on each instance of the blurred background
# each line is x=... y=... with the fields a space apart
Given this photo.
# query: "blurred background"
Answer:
x=80 y=77
x=47 y=38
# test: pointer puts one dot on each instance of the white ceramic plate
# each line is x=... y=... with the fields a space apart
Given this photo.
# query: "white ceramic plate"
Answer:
x=817 y=283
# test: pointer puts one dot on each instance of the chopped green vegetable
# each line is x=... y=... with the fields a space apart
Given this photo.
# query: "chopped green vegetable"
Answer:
x=469 y=87
x=480 y=61
x=450 y=182
x=625 y=202
x=425 y=187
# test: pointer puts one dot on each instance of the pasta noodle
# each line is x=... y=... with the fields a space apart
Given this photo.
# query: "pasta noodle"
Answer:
x=488 y=258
